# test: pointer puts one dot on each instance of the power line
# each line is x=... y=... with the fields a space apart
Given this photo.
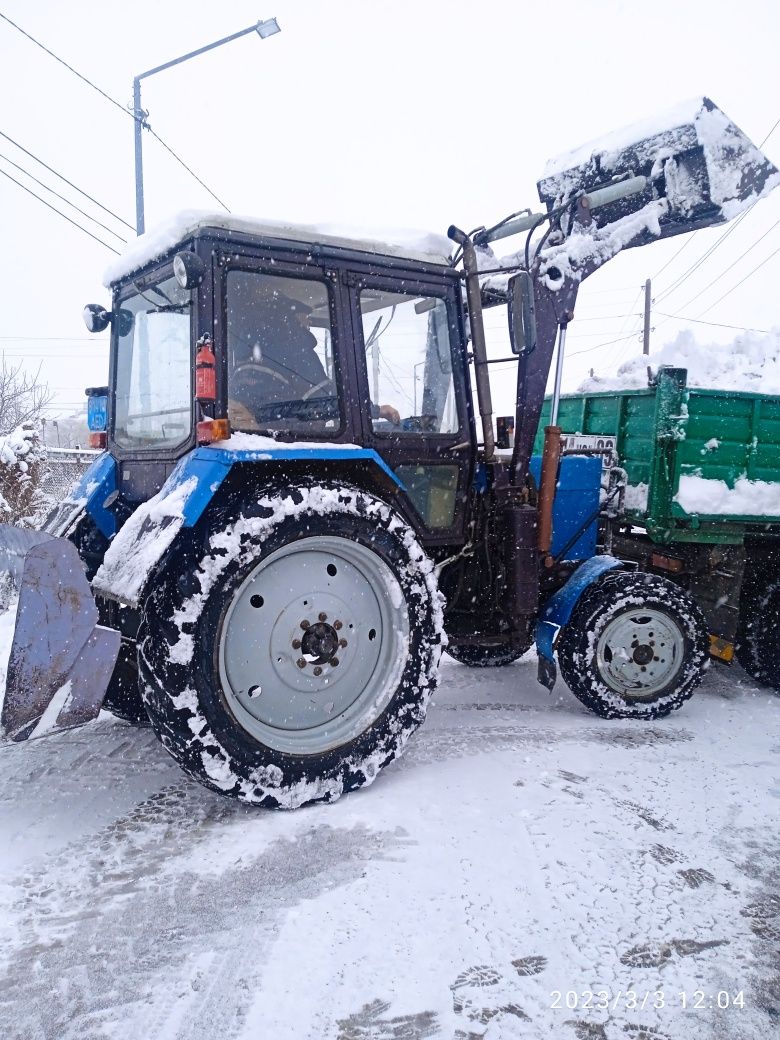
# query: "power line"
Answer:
x=63 y=215
x=740 y=282
x=69 y=67
x=186 y=167
x=686 y=243
x=732 y=264
x=62 y=198
x=609 y=343
x=716 y=324
x=133 y=115
x=716 y=245
x=69 y=183
x=710 y=251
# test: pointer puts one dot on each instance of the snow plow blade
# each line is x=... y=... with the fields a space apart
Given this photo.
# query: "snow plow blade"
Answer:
x=694 y=159
x=61 y=660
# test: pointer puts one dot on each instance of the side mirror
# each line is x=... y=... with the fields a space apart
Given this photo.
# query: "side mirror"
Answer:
x=96 y=318
x=188 y=270
x=522 y=314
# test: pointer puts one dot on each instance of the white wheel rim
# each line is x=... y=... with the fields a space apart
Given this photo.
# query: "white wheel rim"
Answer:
x=313 y=645
x=639 y=652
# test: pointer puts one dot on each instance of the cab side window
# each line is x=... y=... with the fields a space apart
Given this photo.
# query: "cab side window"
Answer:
x=281 y=371
x=406 y=338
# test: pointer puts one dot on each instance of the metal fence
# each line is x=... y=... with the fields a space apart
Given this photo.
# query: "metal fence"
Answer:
x=64 y=466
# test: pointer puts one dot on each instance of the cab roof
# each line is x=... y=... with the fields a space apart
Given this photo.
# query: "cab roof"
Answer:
x=418 y=246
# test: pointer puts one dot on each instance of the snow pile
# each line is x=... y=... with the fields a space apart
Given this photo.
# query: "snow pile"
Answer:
x=708 y=497
x=750 y=364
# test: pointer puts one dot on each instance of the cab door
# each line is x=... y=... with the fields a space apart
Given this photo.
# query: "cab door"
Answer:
x=415 y=409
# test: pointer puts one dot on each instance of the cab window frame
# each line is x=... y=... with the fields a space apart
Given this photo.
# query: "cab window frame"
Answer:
x=249 y=263
x=413 y=287
x=129 y=287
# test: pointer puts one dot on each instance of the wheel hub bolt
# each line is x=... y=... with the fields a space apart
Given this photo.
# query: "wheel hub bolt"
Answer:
x=333 y=662
x=296 y=644
x=323 y=617
x=337 y=625
x=304 y=624
x=301 y=662
x=318 y=670
x=342 y=643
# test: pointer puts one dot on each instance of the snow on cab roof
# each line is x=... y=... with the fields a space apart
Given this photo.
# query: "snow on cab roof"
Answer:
x=404 y=243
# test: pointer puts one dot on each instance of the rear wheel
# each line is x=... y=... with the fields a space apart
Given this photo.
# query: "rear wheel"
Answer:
x=758 y=648
x=635 y=647
x=291 y=660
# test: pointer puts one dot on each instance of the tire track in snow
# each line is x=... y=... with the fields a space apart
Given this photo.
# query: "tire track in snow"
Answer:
x=180 y=954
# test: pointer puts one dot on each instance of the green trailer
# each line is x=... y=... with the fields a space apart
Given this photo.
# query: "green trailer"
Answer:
x=701 y=500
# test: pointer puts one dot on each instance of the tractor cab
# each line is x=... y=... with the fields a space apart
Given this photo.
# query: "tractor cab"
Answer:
x=243 y=328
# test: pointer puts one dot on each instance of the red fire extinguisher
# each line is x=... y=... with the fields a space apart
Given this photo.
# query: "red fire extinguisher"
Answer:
x=205 y=372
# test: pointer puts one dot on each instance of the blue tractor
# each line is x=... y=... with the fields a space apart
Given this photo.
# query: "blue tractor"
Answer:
x=297 y=508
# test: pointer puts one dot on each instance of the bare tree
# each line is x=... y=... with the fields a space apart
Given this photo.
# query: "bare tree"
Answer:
x=22 y=396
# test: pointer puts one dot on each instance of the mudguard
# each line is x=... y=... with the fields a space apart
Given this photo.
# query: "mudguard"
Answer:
x=140 y=545
x=558 y=610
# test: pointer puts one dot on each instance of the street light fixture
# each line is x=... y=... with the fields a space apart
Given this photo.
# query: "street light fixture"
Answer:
x=264 y=29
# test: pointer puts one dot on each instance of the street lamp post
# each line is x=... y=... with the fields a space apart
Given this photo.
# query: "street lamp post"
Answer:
x=264 y=29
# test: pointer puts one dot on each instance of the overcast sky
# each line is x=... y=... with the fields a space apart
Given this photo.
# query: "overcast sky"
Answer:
x=416 y=114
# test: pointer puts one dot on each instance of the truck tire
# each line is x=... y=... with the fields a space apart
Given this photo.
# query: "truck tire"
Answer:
x=758 y=646
x=123 y=696
x=634 y=648
x=290 y=651
x=476 y=656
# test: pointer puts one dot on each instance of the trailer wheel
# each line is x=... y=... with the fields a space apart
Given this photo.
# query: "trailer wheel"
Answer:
x=758 y=647
x=635 y=647
x=476 y=656
x=291 y=651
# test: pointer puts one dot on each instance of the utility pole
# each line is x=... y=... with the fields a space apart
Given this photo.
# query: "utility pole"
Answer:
x=646 y=337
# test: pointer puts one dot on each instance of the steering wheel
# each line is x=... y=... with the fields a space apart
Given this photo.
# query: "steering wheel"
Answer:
x=313 y=390
x=249 y=371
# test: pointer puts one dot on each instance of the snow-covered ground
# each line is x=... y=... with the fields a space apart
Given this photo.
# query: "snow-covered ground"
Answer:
x=522 y=848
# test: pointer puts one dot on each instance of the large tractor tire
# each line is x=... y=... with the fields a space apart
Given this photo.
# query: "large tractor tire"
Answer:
x=634 y=648
x=476 y=656
x=290 y=651
x=758 y=646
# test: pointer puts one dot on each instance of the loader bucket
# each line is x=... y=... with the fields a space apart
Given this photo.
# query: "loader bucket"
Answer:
x=61 y=660
x=693 y=157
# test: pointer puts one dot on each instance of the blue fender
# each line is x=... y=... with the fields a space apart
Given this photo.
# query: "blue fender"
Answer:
x=211 y=465
x=140 y=545
x=559 y=608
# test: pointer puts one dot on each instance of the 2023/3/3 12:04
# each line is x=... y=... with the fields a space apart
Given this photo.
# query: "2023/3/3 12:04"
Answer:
x=630 y=1000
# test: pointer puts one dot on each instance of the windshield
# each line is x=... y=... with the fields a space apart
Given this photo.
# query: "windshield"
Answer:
x=153 y=367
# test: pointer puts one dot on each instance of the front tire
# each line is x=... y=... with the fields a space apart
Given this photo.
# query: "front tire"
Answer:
x=634 y=648
x=293 y=657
